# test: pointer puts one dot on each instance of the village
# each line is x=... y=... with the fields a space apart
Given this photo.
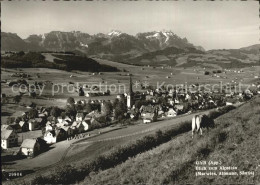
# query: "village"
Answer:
x=54 y=124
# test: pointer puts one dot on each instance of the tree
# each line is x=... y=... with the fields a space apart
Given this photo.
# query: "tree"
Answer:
x=63 y=115
x=70 y=101
x=20 y=53
x=17 y=99
x=116 y=101
x=33 y=94
x=55 y=112
x=33 y=113
x=81 y=92
x=18 y=119
x=88 y=108
x=79 y=107
x=71 y=111
x=107 y=108
x=120 y=109
x=206 y=73
x=10 y=120
x=162 y=100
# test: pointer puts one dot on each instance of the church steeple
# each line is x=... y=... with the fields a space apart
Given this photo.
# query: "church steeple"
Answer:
x=130 y=85
x=130 y=94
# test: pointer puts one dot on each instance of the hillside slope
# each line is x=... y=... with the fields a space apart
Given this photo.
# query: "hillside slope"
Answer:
x=234 y=141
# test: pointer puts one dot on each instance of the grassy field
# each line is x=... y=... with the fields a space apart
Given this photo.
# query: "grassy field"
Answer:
x=234 y=142
x=149 y=75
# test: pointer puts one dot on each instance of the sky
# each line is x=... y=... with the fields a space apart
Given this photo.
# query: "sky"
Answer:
x=210 y=24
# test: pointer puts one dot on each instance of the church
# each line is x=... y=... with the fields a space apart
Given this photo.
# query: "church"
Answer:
x=131 y=96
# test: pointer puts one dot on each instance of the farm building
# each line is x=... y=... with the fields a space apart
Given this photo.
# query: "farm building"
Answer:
x=179 y=107
x=9 y=138
x=50 y=126
x=33 y=124
x=149 y=117
x=30 y=147
x=24 y=126
x=53 y=136
x=80 y=127
x=171 y=113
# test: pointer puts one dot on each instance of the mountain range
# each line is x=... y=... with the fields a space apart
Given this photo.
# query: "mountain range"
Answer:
x=114 y=42
x=156 y=48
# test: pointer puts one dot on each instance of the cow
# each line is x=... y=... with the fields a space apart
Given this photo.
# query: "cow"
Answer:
x=201 y=121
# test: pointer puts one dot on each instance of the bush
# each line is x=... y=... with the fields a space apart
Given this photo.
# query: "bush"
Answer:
x=216 y=113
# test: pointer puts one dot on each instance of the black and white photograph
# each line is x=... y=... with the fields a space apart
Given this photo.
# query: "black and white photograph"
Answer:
x=110 y=92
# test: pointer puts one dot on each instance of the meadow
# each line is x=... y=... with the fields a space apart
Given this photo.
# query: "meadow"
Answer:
x=234 y=141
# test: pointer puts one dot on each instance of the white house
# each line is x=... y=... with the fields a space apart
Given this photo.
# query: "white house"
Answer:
x=60 y=120
x=171 y=113
x=85 y=124
x=33 y=124
x=53 y=136
x=49 y=127
x=179 y=107
x=229 y=103
x=149 y=117
x=9 y=138
x=50 y=136
x=80 y=116
x=30 y=147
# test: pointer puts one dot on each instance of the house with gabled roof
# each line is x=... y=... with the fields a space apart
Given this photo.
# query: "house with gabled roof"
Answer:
x=149 y=117
x=50 y=127
x=33 y=124
x=171 y=113
x=9 y=138
x=80 y=127
x=53 y=136
x=6 y=127
x=24 y=126
x=80 y=116
x=30 y=147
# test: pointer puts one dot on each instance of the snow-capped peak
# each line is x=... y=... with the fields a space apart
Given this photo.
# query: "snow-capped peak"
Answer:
x=160 y=34
x=115 y=33
x=167 y=34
